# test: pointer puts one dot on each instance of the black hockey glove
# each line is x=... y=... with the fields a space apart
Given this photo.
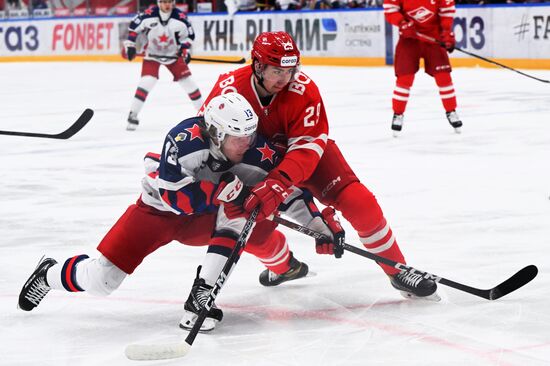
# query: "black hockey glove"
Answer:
x=130 y=50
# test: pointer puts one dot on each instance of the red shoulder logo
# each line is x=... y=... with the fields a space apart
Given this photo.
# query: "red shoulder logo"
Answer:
x=267 y=153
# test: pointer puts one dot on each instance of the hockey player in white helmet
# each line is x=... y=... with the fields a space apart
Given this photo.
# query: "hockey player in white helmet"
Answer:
x=185 y=199
x=168 y=36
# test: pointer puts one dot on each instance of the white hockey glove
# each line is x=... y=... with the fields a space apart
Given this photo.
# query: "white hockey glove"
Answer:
x=232 y=192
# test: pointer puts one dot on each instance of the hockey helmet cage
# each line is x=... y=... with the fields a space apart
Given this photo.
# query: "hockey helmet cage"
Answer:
x=277 y=49
x=229 y=114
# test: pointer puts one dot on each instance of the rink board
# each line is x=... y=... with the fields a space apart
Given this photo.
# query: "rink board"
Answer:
x=518 y=36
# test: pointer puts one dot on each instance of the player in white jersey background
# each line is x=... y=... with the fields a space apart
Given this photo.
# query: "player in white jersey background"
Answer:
x=168 y=36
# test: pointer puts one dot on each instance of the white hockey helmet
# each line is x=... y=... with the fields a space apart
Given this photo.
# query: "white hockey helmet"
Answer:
x=229 y=114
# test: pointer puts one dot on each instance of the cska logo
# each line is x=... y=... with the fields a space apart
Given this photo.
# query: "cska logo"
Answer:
x=421 y=14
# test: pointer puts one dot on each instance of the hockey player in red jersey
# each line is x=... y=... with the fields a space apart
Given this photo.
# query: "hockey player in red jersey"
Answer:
x=185 y=199
x=168 y=35
x=292 y=115
x=414 y=18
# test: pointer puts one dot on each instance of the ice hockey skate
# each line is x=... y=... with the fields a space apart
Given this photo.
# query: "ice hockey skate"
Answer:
x=195 y=303
x=414 y=286
x=397 y=124
x=36 y=287
x=455 y=121
x=297 y=270
x=133 y=122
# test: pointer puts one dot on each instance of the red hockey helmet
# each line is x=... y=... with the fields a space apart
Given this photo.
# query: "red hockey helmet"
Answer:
x=277 y=49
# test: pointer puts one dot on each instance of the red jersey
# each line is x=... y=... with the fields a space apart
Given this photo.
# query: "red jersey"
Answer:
x=430 y=16
x=295 y=116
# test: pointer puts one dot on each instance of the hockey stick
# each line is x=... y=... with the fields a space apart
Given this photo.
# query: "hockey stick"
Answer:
x=433 y=40
x=68 y=133
x=521 y=278
x=165 y=351
x=239 y=61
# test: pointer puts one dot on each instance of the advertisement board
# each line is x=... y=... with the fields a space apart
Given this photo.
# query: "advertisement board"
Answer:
x=518 y=34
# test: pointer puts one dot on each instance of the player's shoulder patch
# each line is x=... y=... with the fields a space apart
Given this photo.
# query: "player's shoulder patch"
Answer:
x=188 y=135
x=263 y=155
x=178 y=15
x=150 y=12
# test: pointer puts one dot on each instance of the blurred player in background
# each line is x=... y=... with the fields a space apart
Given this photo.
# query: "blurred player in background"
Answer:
x=292 y=116
x=433 y=18
x=169 y=36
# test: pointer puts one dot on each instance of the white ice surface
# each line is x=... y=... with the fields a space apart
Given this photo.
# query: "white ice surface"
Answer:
x=473 y=208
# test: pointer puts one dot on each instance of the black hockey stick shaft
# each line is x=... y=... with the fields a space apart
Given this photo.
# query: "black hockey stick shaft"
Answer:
x=433 y=40
x=68 y=133
x=232 y=260
x=521 y=278
x=239 y=61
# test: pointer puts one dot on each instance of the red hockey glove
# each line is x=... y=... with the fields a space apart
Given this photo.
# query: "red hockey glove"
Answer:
x=407 y=29
x=336 y=246
x=231 y=192
x=185 y=52
x=448 y=40
x=268 y=194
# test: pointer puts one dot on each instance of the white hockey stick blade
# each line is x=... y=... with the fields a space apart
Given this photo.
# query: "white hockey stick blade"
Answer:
x=144 y=352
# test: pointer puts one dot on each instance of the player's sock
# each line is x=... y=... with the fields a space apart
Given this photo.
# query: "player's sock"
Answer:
x=359 y=206
x=401 y=93
x=146 y=84
x=193 y=91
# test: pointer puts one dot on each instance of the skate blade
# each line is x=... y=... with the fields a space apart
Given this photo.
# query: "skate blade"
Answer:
x=433 y=297
x=188 y=321
x=131 y=127
x=310 y=274
x=458 y=130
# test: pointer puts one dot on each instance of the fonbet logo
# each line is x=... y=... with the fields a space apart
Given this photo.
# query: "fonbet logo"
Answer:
x=289 y=61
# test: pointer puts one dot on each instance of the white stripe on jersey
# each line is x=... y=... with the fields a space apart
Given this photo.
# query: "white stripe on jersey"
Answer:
x=174 y=186
x=312 y=143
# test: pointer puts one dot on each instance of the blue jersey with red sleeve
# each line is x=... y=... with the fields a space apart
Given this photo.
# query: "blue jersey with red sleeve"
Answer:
x=184 y=177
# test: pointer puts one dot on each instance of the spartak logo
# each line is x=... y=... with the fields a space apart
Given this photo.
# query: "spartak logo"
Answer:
x=222 y=106
x=421 y=14
x=287 y=46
